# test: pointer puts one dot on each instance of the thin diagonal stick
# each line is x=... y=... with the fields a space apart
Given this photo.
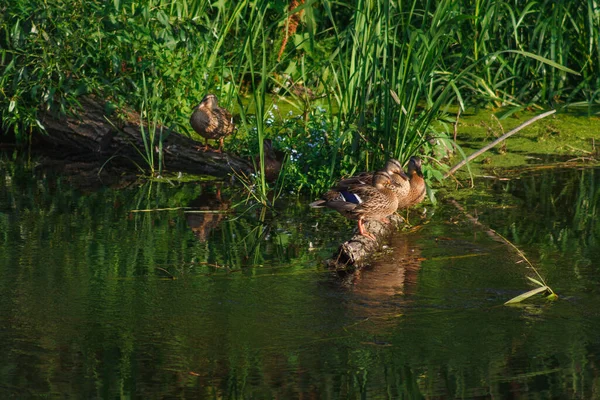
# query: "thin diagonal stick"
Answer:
x=495 y=142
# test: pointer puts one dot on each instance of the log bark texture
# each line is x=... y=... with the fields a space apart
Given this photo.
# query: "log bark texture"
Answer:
x=357 y=252
x=91 y=132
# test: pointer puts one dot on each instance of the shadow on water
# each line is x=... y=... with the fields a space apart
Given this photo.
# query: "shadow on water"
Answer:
x=99 y=301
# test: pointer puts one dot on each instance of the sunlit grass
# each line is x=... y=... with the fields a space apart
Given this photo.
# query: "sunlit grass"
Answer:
x=382 y=73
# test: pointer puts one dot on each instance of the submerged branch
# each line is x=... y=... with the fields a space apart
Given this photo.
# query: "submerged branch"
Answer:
x=357 y=251
x=159 y=209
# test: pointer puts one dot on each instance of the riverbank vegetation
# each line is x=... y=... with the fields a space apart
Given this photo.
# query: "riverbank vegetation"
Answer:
x=338 y=87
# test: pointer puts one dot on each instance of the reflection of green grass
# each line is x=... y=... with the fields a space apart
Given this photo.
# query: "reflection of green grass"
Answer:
x=82 y=289
x=245 y=238
x=548 y=213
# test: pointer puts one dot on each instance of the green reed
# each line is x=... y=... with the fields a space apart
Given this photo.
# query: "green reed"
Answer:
x=386 y=76
x=385 y=70
x=255 y=42
x=561 y=31
x=152 y=131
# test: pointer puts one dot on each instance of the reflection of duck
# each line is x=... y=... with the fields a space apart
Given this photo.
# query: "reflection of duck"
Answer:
x=203 y=223
x=362 y=202
x=382 y=292
x=417 y=191
x=400 y=181
x=211 y=121
x=273 y=160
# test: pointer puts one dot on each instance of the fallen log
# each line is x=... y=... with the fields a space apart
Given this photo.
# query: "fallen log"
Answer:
x=93 y=132
x=358 y=251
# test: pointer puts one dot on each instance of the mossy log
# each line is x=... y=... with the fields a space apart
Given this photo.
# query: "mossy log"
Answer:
x=358 y=251
x=93 y=132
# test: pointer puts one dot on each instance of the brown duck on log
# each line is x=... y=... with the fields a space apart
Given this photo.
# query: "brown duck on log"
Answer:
x=363 y=202
x=211 y=121
x=400 y=181
x=92 y=133
x=356 y=251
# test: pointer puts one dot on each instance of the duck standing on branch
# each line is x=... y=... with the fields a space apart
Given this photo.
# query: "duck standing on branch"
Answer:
x=363 y=202
x=400 y=181
x=211 y=121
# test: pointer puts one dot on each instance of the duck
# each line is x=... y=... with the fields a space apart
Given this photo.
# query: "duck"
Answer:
x=211 y=121
x=400 y=181
x=418 y=189
x=362 y=202
x=273 y=161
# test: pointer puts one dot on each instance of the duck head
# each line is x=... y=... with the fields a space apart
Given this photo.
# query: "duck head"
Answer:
x=393 y=166
x=209 y=101
x=381 y=179
x=414 y=166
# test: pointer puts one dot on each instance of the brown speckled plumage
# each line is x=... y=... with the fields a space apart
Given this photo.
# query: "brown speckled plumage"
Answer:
x=400 y=181
x=211 y=121
x=362 y=202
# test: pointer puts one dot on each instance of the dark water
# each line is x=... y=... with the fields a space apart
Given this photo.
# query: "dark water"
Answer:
x=98 y=301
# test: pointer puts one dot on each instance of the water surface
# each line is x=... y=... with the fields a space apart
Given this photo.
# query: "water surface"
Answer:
x=99 y=301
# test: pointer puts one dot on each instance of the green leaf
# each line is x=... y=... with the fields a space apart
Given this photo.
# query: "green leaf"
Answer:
x=39 y=124
x=544 y=60
x=526 y=295
x=163 y=19
x=536 y=281
x=431 y=195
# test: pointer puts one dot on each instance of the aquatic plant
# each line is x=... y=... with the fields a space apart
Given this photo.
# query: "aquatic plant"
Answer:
x=542 y=286
x=383 y=71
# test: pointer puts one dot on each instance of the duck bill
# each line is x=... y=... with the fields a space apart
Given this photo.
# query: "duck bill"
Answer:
x=403 y=175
